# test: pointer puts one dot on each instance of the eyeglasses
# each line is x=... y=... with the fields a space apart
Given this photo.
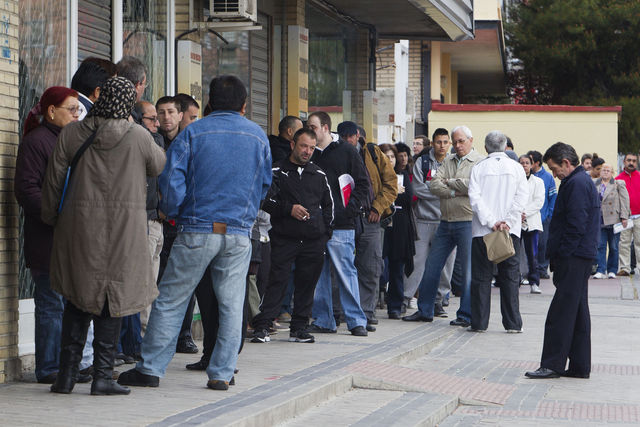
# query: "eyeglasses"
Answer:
x=153 y=119
x=73 y=110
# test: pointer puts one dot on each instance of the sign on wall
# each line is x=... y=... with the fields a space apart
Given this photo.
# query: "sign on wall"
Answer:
x=190 y=69
x=298 y=72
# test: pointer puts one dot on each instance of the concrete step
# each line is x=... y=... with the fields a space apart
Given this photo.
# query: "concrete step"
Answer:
x=367 y=408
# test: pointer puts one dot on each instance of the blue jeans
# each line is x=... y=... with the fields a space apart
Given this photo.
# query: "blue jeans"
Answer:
x=608 y=264
x=340 y=250
x=130 y=335
x=543 y=261
x=48 y=319
x=227 y=257
x=448 y=236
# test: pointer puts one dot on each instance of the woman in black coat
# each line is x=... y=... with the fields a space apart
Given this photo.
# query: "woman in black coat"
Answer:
x=399 y=237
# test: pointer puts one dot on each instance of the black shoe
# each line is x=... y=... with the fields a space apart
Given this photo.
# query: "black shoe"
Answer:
x=372 y=321
x=107 y=387
x=337 y=318
x=261 y=336
x=126 y=358
x=135 y=378
x=200 y=365
x=83 y=378
x=542 y=373
x=301 y=336
x=438 y=311
x=359 y=331
x=319 y=329
x=417 y=317
x=371 y=328
x=574 y=374
x=186 y=345
x=49 y=379
x=395 y=315
x=545 y=275
x=218 y=385
x=445 y=302
x=459 y=322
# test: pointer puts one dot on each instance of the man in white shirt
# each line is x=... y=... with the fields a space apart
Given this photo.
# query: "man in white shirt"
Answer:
x=498 y=193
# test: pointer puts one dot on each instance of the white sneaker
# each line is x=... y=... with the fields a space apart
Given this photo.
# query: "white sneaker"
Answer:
x=515 y=331
x=612 y=275
x=535 y=289
x=599 y=276
x=413 y=303
x=524 y=282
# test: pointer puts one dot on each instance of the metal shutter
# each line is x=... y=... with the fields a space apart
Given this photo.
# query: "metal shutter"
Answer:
x=259 y=77
x=94 y=29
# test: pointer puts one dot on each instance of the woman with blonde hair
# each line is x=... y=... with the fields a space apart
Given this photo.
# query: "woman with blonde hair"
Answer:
x=614 y=208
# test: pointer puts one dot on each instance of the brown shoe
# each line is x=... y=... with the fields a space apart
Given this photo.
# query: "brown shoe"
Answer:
x=622 y=273
x=218 y=385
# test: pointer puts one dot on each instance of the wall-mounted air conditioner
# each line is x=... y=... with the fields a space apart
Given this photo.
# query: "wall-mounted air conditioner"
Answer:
x=234 y=10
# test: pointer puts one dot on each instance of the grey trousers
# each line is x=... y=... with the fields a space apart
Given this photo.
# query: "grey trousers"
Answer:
x=369 y=264
x=509 y=278
x=426 y=231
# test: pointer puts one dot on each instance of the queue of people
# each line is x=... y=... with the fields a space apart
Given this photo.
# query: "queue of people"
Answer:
x=139 y=209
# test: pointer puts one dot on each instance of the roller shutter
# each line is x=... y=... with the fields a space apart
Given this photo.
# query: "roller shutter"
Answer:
x=259 y=74
x=94 y=29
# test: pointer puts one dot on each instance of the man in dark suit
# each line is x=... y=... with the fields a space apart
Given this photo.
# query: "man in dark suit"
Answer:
x=571 y=249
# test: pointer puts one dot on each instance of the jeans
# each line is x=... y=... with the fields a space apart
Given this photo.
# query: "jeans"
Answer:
x=543 y=261
x=227 y=258
x=130 y=335
x=48 y=322
x=341 y=258
x=608 y=264
x=448 y=236
x=530 y=239
x=629 y=239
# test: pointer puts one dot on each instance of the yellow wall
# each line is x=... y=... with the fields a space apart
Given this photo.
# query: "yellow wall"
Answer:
x=486 y=10
x=587 y=132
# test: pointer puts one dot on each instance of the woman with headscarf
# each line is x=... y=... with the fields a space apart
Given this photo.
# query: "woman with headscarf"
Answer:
x=100 y=261
x=58 y=107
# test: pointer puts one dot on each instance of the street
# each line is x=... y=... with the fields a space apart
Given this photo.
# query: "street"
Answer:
x=404 y=374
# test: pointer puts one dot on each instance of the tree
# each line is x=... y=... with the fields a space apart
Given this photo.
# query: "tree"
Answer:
x=580 y=52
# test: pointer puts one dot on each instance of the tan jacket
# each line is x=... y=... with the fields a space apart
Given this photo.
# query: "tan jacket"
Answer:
x=615 y=202
x=100 y=249
x=384 y=182
x=452 y=178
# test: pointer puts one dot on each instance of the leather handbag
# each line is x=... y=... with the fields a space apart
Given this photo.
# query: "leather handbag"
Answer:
x=499 y=246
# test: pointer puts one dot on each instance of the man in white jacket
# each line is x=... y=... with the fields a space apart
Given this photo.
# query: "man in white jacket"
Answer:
x=498 y=193
x=532 y=222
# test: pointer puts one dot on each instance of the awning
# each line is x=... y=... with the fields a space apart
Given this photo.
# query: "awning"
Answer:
x=449 y=20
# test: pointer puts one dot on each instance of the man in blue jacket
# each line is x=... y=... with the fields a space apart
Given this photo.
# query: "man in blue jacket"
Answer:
x=572 y=249
x=218 y=169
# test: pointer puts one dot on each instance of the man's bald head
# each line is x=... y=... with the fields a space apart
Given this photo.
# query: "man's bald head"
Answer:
x=148 y=115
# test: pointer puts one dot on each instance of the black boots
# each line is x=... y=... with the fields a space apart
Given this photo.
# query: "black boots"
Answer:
x=107 y=332
x=74 y=334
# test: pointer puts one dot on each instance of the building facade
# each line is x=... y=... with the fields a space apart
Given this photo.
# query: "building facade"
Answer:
x=295 y=56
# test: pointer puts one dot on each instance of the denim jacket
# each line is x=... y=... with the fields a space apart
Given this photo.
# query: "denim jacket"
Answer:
x=218 y=170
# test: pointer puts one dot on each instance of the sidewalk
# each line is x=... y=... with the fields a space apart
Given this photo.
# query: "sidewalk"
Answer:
x=403 y=374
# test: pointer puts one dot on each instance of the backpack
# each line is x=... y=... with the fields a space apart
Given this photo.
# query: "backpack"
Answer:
x=427 y=165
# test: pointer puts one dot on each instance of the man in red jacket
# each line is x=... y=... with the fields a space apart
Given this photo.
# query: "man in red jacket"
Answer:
x=631 y=177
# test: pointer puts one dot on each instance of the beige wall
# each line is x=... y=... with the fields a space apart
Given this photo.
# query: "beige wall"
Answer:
x=587 y=132
x=9 y=362
x=486 y=10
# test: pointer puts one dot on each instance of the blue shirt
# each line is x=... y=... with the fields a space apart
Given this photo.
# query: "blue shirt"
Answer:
x=550 y=194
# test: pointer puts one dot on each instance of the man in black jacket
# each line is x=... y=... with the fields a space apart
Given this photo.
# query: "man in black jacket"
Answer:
x=342 y=164
x=281 y=144
x=301 y=211
x=571 y=248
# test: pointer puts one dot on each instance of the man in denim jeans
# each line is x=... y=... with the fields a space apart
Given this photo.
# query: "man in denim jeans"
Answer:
x=339 y=159
x=214 y=202
x=451 y=184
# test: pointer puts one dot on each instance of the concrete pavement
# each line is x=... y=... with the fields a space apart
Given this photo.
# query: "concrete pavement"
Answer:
x=403 y=374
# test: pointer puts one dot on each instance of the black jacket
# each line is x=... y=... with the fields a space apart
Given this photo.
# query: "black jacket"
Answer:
x=152 y=183
x=575 y=224
x=339 y=158
x=308 y=188
x=280 y=148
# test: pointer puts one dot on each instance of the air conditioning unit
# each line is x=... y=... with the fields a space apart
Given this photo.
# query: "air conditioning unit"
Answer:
x=234 y=10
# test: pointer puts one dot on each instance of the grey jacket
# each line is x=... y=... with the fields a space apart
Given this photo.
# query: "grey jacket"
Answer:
x=452 y=178
x=428 y=207
x=615 y=202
